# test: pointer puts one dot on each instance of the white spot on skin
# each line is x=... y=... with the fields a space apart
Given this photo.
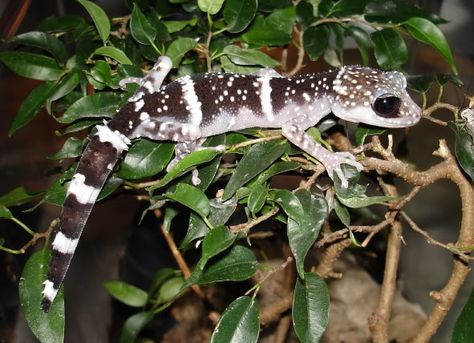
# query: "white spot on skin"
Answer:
x=118 y=140
x=84 y=194
x=139 y=104
x=49 y=291
x=64 y=244
x=144 y=116
x=192 y=100
x=266 y=97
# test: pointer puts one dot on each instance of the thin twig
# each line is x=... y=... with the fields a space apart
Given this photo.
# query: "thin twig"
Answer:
x=247 y=226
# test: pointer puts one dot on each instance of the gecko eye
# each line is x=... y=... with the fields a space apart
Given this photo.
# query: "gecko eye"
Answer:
x=386 y=106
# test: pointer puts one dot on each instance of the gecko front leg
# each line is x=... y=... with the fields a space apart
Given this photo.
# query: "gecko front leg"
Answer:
x=332 y=161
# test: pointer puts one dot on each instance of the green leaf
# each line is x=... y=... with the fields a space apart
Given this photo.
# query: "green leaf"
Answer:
x=289 y=203
x=257 y=198
x=420 y=83
x=274 y=169
x=237 y=265
x=342 y=213
x=173 y=26
x=274 y=29
x=425 y=31
x=99 y=17
x=239 y=13
x=17 y=196
x=216 y=241
x=65 y=86
x=186 y=164
x=178 y=48
x=304 y=14
x=239 y=323
x=231 y=67
x=57 y=192
x=197 y=229
x=463 y=329
x=32 y=66
x=72 y=147
x=48 y=328
x=304 y=230
x=110 y=186
x=221 y=211
x=363 y=132
x=390 y=48
x=31 y=105
x=142 y=30
x=126 y=293
x=310 y=308
x=133 y=325
x=257 y=159
x=5 y=212
x=62 y=24
x=315 y=41
x=170 y=289
x=145 y=158
x=191 y=197
x=248 y=56
x=103 y=105
x=396 y=11
x=114 y=53
x=210 y=6
x=362 y=39
x=464 y=149
x=364 y=201
x=43 y=41
x=342 y=8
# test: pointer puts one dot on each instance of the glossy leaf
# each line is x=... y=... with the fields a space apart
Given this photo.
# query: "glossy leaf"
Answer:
x=257 y=159
x=390 y=49
x=48 y=328
x=186 y=164
x=197 y=229
x=221 y=211
x=310 y=308
x=65 y=86
x=43 y=41
x=304 y=230
x=463 y=329
x=62 y=24
x=72 y=147
x=464 y=149
x=126 y=293
x=99 y=17
x=275 y=169
x=170 y=289
x=239 y=13
x=133 y=325
x=315 y=41
x=274 y=29
x=248 y=56
x=239 y=323
x=178 y=48
x=17 y=196
x=237 y=265
x=427 y=32
x=363 y=41
x=31 y=105
x=342 y=213
x=231 y=67
x=114 y=53
x=216 y=241
x=192 y=198
x=32 y=66
x=111 y=185
x=145 y=158
x=103 y=105
x=142 y=30
x=5 y=213
x=210 y=6
x=257 y=197
x=396 y=11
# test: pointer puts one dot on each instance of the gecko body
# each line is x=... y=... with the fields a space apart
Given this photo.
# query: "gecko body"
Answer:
x=195 y=107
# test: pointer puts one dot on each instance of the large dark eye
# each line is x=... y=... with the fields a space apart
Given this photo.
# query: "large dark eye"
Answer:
x=387 y=106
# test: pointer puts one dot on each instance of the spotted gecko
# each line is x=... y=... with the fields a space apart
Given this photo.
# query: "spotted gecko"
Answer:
x=194 y=107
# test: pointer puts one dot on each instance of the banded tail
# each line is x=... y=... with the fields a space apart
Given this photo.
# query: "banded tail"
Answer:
x=98 y=159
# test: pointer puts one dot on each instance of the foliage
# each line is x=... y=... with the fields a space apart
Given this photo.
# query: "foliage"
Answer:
x=74 y=55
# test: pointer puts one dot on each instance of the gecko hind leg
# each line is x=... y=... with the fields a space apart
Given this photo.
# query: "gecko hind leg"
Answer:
x=331 y=160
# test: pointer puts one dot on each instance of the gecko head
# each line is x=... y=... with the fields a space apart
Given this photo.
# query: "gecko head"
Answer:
x=375 y=97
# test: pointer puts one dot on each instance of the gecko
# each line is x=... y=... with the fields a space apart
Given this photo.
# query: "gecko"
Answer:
x=191 y=108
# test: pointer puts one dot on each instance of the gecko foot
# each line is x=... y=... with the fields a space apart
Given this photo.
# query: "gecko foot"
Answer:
x=334 y=166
